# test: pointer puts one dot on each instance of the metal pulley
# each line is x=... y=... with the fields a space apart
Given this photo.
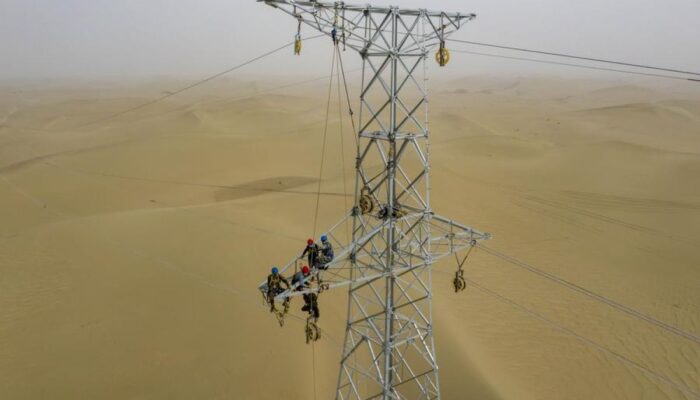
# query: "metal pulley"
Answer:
x=312 y=331
x=459 y=282
x=443 y=55
x=297 y=38
x=297 y=45
x=366 y=202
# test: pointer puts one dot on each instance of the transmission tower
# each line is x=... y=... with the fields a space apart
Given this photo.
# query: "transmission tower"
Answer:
x=389 y=351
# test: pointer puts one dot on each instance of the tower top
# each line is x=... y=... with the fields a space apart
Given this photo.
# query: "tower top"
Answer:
x=340 y=5
x=366 y=28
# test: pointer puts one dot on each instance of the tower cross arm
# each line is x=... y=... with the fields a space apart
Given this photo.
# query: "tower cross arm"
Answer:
x=448 y=237
x=364 y=27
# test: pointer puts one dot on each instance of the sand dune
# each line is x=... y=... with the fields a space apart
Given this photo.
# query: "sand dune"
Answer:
x=130 y=250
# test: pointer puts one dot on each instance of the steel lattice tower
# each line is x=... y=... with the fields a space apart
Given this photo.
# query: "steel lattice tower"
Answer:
x=389 y=351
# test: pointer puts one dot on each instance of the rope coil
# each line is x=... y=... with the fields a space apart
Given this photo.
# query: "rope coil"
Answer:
x=312 y=332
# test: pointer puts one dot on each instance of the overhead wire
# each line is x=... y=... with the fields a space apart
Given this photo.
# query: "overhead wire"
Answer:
x=218 y=101
x=228 y=100
x=576 y=57
x=626 y=360
x=191 y=86
x=598 y=297
x=511 y=260
x=590 y=67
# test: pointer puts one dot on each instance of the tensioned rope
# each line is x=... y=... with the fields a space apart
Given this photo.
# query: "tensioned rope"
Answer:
x=318 y=196
x=612 y=303
x=347 y=96
x=342 y=145
x=323 y=147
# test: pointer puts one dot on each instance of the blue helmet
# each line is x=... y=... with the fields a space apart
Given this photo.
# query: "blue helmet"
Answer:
x=275 y=271
x=324 y=238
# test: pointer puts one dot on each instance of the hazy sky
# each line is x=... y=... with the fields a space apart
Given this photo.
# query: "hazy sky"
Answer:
x=185 y=38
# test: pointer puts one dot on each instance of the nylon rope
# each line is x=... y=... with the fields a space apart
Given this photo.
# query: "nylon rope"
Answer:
x=342 y=148
x=318 y=196
x=323 y=149
x=313 y=365
x=347 y=97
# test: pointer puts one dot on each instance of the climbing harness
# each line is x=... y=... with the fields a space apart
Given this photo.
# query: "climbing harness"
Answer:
x=366 y=202
x=312 y=331
x=459 y=282
x=269 y=300
x=322 y=286
x=443 y=55
x=281 y=314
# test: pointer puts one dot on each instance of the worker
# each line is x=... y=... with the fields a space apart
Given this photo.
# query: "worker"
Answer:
x=326 y=252
x=312 y=251
x=298 y=280
x=311 y=300
x=274 y=286
x=334 y=35
x=302 y=283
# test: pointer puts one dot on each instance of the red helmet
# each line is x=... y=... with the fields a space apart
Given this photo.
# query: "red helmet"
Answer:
x=305 y=270
x=310 y=242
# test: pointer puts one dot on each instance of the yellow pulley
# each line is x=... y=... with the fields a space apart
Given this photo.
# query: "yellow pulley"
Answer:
x=442 y=56
x=366 y=202
x=297 y=45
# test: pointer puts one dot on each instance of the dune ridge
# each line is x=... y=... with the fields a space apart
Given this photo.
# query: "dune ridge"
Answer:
x=130 y=250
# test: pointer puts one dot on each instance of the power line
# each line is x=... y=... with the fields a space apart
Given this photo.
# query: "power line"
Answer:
x=228 y=100
x=683 y=388
x=547 y=53
x=612 y=303
x=577 y=65
x=193 y=85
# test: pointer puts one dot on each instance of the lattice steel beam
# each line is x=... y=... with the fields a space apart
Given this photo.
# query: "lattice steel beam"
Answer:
x=389 y=351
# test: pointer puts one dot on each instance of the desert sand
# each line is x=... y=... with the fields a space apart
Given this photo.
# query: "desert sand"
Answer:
x=130 y=250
